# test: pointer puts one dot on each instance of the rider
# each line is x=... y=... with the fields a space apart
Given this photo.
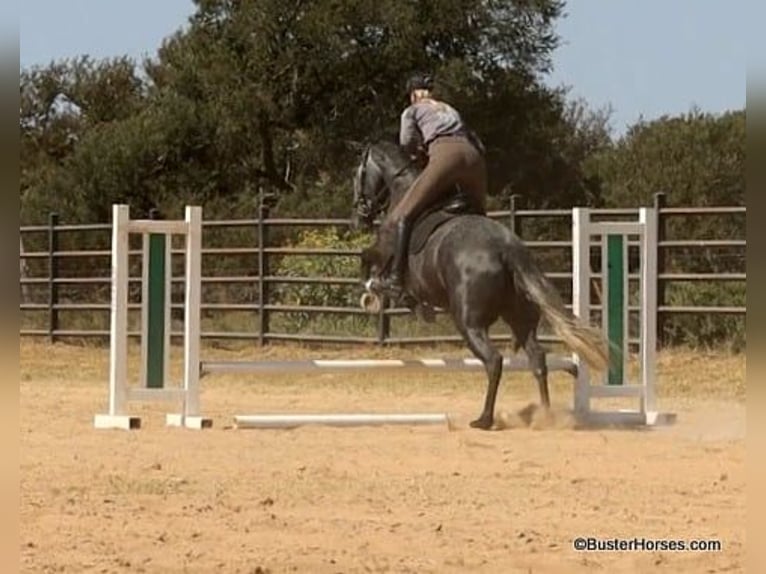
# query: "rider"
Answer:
x=455 y=156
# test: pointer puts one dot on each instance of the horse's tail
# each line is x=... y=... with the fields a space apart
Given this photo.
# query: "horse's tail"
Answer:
x=579 y=336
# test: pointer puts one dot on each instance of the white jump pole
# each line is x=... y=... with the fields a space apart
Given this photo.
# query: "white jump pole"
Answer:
x=287 y=421
x=374 y=365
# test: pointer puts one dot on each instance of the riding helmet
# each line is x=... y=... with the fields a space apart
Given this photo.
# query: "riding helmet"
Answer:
x=420 y=81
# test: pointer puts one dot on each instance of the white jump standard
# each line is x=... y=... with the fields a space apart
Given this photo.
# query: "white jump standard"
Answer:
x=120 y=392
x=615 y=294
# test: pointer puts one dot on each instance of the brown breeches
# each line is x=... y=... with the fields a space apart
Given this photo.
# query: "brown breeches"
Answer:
x=451 y=160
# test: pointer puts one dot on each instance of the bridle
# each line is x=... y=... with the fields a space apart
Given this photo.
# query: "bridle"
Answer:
x=367 y=208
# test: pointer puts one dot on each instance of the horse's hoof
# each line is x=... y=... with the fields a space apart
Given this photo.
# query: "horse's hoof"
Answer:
x=481 y=423
x=370 y=302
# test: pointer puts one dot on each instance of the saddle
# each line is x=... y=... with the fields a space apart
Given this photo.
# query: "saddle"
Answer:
x=455 y=204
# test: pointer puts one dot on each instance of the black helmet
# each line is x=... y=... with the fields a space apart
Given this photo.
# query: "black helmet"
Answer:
x=420 y=81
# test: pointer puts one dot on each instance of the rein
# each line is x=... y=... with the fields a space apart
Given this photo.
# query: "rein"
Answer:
x=382 y=200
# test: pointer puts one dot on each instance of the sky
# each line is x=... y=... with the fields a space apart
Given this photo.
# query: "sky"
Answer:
x=643 y=58
x=654 y=57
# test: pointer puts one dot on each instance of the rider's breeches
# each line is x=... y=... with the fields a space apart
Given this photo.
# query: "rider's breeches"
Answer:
x=451 y=160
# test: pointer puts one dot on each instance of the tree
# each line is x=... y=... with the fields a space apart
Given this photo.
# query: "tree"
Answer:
x=269 y=94
x=59 y=106
x=696 y=158
x=288 y=83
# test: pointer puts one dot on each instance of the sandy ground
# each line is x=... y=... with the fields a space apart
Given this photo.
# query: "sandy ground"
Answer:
x=390 y=499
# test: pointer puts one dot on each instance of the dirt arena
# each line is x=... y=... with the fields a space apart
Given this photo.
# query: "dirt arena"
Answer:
x=391 y=499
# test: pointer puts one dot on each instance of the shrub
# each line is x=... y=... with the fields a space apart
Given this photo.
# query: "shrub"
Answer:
x=321 y=294
x=705 y=330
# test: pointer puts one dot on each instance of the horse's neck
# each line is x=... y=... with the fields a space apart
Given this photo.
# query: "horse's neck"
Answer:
x=398 y=187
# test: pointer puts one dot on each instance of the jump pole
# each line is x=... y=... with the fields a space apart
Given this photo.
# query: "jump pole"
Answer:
x=374 y=366
x=287 y=421
x=155 y=314
x=398 y=366
x=614 y=238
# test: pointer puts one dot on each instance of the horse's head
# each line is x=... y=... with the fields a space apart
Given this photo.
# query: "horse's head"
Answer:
x=370 y=190
x=376 y=178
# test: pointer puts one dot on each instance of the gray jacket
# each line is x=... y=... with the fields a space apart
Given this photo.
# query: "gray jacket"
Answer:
x=423 y=122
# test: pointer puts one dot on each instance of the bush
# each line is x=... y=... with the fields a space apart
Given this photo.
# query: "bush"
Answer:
x=709 y=330
x=321 y=294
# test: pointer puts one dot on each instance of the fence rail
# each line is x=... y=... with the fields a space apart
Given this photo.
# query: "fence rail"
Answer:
x=62 y=276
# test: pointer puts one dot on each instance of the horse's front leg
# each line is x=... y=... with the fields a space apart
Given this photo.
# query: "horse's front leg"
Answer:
x=371 y=298
x=365 y=264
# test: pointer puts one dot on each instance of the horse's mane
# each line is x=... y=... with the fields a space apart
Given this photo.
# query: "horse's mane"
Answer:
x=394 y=153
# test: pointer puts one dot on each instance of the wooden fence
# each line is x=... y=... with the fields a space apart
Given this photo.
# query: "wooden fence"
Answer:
x=65 y=276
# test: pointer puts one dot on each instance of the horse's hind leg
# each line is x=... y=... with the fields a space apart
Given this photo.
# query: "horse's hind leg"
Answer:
x=536 y=356
x=481 y=346
x=524 y=330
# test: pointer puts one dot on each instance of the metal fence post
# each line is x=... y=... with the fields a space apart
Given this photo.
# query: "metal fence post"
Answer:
x=23 y=272
x=53 y=272
x=384 y=322
x=263 y=269
x=515 y=199
x=660 y=201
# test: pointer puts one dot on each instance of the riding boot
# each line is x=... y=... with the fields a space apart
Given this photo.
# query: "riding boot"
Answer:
x=393 y=285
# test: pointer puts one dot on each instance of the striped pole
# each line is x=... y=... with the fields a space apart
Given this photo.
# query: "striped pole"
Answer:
x=373 y=365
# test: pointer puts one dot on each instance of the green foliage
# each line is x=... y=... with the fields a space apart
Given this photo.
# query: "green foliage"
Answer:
x=60 y=107
x=696 y=159
x=324 y=266
x=269 y=93
x=706 y=330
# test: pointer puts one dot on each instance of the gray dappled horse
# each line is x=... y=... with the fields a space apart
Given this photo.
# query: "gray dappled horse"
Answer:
x=474 y=268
